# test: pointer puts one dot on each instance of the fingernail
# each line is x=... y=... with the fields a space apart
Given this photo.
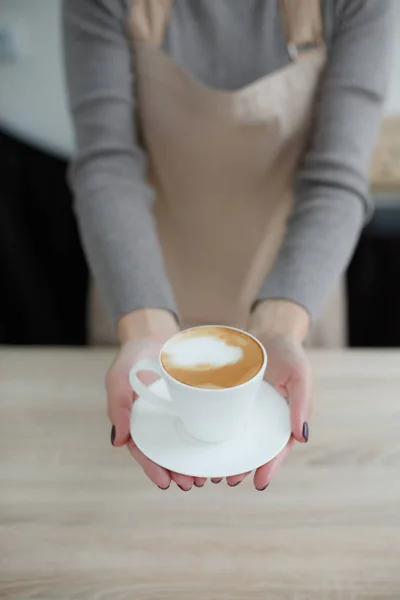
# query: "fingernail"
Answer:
x=262 y=489
x=163 y=489
x=113 y=435
x=198 y=486
x=216 y=480
x=234 y=484
x=183 y=489
x=306 y=431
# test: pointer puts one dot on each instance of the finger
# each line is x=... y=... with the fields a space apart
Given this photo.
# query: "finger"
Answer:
x=300 y=400
x=119 y=400
x=155 y=473
x=199 y=481
x=216 y=479
x=264 y=474
x=183 y=481
x=236 y=479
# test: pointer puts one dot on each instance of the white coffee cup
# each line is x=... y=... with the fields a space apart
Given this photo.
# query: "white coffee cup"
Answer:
x=208 y=415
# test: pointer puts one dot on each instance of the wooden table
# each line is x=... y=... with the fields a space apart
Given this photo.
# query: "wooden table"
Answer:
x=79 y=520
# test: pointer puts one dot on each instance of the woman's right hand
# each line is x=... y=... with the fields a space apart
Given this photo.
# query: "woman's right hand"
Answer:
x=142 y=335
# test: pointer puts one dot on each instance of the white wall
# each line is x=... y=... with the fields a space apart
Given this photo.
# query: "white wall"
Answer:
x=32 y=92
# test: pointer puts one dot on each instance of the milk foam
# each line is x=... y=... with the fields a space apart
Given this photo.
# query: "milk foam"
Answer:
x=190 y=352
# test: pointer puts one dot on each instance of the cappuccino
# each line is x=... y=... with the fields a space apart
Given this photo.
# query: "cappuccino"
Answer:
x=212 y=357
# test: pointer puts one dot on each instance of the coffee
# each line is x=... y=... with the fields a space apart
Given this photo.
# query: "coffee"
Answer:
x=212 y=357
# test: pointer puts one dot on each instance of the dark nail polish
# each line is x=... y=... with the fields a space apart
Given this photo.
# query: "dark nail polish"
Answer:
x=306 y=431
x=216 y=480
x=163 y=489
x=262 y=489
x=112 y=435
x=234 y=484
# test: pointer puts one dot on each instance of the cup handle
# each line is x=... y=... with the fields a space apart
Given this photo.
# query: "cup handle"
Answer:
x=143 y=391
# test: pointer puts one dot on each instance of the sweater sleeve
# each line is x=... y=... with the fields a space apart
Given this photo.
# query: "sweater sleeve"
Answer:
x=331 y=196
x=113 y=202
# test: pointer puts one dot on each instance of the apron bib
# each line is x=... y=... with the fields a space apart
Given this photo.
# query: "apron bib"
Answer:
x=223 y=163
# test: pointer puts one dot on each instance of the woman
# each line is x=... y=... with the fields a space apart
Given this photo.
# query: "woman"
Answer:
x=221 y=172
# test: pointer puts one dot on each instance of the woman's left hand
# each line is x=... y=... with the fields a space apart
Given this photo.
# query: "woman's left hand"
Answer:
x=281 y=327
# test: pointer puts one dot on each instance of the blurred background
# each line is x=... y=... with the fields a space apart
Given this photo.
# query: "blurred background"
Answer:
x=43 y=273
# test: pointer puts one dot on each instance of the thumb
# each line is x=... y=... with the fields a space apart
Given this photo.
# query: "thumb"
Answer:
x=119 y=399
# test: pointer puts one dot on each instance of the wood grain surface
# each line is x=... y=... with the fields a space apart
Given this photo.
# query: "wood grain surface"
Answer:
x=78 y=519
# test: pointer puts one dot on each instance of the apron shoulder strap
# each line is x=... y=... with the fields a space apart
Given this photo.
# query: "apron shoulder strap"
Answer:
x=302 y=19
x=148 y=20
x=303 y=24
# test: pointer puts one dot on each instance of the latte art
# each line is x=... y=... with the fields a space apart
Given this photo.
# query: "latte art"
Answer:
x=202 y=351
x=212 y=357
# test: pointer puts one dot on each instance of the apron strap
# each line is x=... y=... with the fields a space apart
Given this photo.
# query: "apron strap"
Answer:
x=303 y=25
x=148 y=20
x=302 y=20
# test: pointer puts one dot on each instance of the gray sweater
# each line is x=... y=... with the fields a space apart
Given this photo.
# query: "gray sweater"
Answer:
x=227 y=44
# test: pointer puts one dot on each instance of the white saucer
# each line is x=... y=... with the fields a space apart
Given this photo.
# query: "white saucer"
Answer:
x=161 y=438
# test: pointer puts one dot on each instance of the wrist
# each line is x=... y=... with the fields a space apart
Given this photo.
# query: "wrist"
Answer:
x=147 y=323
x=280 y=317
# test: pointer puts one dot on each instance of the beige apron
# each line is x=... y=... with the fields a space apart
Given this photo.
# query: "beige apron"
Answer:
x=223 y=162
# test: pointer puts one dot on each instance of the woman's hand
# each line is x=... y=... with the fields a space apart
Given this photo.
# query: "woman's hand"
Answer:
x=282 y=327
x=289 y=372
x=142 y=335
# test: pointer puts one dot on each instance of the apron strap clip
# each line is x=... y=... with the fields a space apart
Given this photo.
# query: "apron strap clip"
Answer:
x=294 y=50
